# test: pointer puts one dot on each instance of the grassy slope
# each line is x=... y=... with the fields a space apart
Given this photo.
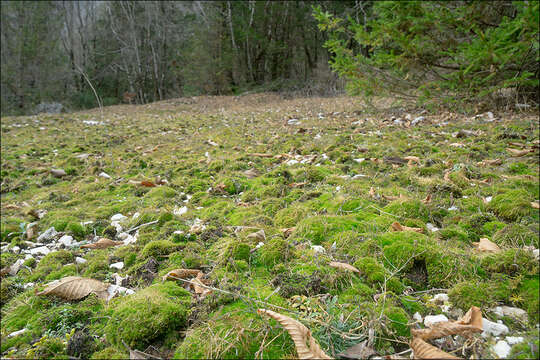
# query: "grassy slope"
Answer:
x=319 y=199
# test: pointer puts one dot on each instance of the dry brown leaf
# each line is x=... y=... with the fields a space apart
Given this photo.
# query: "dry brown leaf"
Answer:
x=306 y=345
x=261 y=155
x=486 y=245
x=489 y=162
x=181 y=273
x=199 y=287
x=519 y=153
x=391 y=198
x=423 y=350
x=251 y=173
x=535 y=204
x=75 y=288
x=148 y=183
x=287 y=231
x=427 y=200
x=517 y=144
x=372 y=192
x=359 y=351
x=398 y=227
x=446 y=176
x=296 y=185
x=12 y=207
x=102 y=243
x=343 y=266
x=259 y=235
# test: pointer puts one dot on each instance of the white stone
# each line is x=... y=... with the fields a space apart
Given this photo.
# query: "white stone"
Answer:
x=136 y=215
x=431 y=227
x=80 y=260
x=118 y=265
x=501 y=349
x=512 y=340
x=14 y=268
x=493 y=328
x=360 y=160
x=43 y=250
x=453 y=208
x=18 y=332
x=117 y=226
x=292 y=162
x=417 y=120
x=180 y=211
x=318 y=248
x=417 y=317
x=536 y=253
x=488 y=199
x=47 y=235
x=259 y=245
x=28 y=256
x=131 y=239
x=114 y=290
x=440 y=298
x=66 y=240
x=512 y=312
x=122 y=236
x=16 y=249
x=429 y=320
x=118 y=217
x=104 y=175
x=28 y=285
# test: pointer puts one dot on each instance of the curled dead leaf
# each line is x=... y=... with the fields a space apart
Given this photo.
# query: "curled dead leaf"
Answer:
x=412 y=160
x=343 y=266
x=398 y=227
x=181 y=273
x=489 y=162
x=259 y=235
x=102 y=243
x=148 y=183
x=300 y=184
x=427 y=200
x=519 y=153
x=75 y=288
x=470 y=323
x=287 y=231
x=423 y=350
x=306 y=346
x=485 y=245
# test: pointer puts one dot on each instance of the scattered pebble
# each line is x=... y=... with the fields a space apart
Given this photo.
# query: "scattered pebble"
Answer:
x=417 y=317
x=180 y=211
x=18 y=332
x=66 y=240
x=502 y=349
x=453 y=208
x=431 y=227
x=440 y=298
x=512 y=340
x=429 y=320
x=80 y=260
x=43 y=250
x=118 y=265
x=493 y=328
x=58 y=173
x=104 y=175
x=47 y=236
x=513 y=312
x=318 y=249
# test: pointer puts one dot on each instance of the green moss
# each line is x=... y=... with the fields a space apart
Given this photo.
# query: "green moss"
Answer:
x=241 y=251
x=516 y=235
x=158 y=248
x=528 y=291
x=375 y=274
x=148 y=315
x=413 y=209
x=481 y=294
x=234 y=332
x=76 y=229
x=274 y=251
x=163 y=218
x=511 y=262
x=52 y=262
x=318 y=228
x=456 y=233
x=109 y=232
x=492 y=227
x=161 y=192
x=97 y=265
x=397 y=320
x=109 y=353
x=524 y=350
x=290 y=216
x=512 y=205
x=235 y=186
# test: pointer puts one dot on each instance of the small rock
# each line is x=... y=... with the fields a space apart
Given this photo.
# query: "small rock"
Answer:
x=114 y=290
x=43 y=250
x=118 y=265
x=360 y=160
x=122 y=236
x=180 y=211
x=118 y=217
x=453 y=208
x=259 y=235
x=493 y=328
x=318 y=249
x=431 y=227
x=440 y=298
x=79 y=260
x=28 y=256
x=104 y=175
x=259 y=245
x=417 y=120
x=136 y=215
x=47 y=236
x=58 y=173
x=501 y=349
x=536 y=253
x=120 y=281
x=512 y=312
x=82 y=156
x=28 y=285
x=512 y=340
x=16 y=249
x=14 y=268
x=18 y=332
x=292 y=162
x=417 y=317
x=66 y=240
x=429 y=320
x=117 y=226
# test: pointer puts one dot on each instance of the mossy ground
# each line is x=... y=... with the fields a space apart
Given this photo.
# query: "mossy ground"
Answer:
x=315 y=182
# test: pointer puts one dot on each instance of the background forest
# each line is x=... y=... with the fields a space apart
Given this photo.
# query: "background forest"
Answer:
x=454 y=51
